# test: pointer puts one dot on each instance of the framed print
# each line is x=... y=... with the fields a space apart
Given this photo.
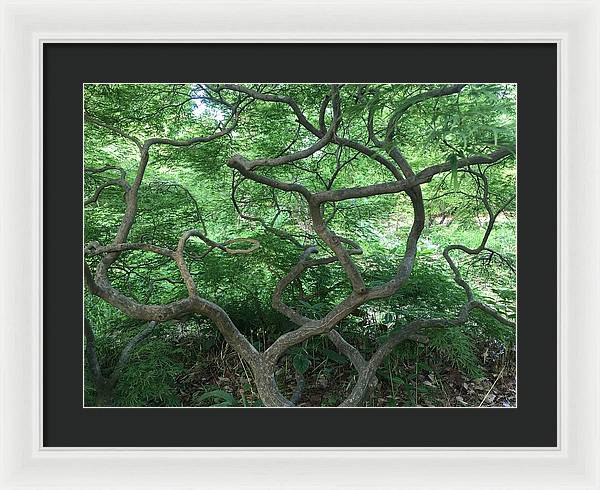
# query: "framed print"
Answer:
x=247 y=253
x=292 y=347
x=270 y=313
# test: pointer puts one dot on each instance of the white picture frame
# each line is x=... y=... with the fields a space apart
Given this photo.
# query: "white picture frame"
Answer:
x=574 y=25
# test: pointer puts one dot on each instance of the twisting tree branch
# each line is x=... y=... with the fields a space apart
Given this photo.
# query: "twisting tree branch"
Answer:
x=268 y=227
x=120 y=182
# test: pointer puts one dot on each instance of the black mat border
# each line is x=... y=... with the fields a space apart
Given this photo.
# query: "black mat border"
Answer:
x=532 y=66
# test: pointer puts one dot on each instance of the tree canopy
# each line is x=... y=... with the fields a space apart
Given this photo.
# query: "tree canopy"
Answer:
x=332 y=238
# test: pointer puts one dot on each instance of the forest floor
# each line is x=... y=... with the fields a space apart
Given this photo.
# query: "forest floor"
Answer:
x=221 y=379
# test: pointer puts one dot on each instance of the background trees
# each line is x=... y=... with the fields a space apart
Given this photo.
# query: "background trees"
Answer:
x=301 y=244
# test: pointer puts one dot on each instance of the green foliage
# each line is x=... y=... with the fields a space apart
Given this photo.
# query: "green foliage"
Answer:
x=148 y=379
x=301 y=363
x=219 y=398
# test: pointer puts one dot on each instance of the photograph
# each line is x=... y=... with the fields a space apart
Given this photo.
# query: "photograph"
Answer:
x=299 y=245
x=350 y=247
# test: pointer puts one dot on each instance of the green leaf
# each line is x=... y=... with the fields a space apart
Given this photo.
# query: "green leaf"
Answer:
x=453 y=160
x=301 y=363
x=215 y=395
x=423 y=366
